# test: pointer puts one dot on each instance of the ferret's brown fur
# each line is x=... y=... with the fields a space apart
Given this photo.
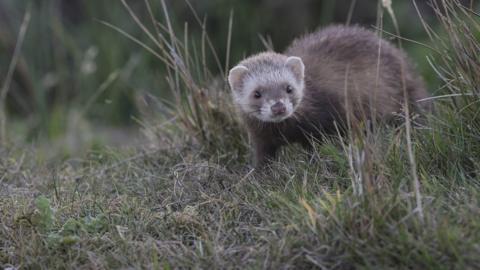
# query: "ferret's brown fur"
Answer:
x=346 y=69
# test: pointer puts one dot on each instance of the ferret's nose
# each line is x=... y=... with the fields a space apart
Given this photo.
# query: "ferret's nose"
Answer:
x=278 y=108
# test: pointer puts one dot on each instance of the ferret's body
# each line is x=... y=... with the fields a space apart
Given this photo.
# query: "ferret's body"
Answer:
x=286 y=98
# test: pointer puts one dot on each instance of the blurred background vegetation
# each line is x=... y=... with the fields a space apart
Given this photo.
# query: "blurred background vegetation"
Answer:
x=78 y=80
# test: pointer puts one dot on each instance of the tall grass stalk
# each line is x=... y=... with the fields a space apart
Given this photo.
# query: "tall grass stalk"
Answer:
x=9 y=76
x=387 y=4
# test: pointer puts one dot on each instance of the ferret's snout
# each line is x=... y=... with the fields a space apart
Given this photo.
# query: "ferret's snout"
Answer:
x=278 y=108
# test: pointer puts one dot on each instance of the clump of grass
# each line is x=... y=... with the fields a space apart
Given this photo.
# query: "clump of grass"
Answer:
x=200 y=106
x=349 y=204
x=452 y=139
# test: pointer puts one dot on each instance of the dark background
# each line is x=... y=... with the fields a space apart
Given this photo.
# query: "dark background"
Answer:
x=72 y=66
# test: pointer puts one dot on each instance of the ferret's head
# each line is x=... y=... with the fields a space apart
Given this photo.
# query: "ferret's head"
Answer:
x=268 y=86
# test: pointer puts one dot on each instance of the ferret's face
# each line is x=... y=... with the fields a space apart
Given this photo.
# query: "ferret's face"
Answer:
x=273 y=102
x=271 y=94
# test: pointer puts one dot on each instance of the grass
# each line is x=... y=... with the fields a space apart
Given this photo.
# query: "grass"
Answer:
x=190 y=201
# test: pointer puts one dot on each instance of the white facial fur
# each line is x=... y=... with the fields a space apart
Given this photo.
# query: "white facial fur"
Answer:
x=244 y=83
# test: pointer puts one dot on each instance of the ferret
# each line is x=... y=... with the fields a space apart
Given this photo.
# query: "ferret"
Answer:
x=308 y=90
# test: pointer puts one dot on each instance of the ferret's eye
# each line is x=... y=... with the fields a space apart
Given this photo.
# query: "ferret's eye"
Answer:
x=257 y=94
x=289 y=89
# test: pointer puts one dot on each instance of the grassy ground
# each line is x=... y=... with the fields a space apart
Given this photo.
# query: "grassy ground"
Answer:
x=175 y=207
x=188 y=200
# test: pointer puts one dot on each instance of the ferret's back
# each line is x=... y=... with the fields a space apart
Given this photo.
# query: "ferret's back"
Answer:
x=338 y=41
x=340 y=57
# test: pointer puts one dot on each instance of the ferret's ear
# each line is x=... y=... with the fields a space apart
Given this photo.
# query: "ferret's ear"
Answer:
x=236 y=75
x=296 y=65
